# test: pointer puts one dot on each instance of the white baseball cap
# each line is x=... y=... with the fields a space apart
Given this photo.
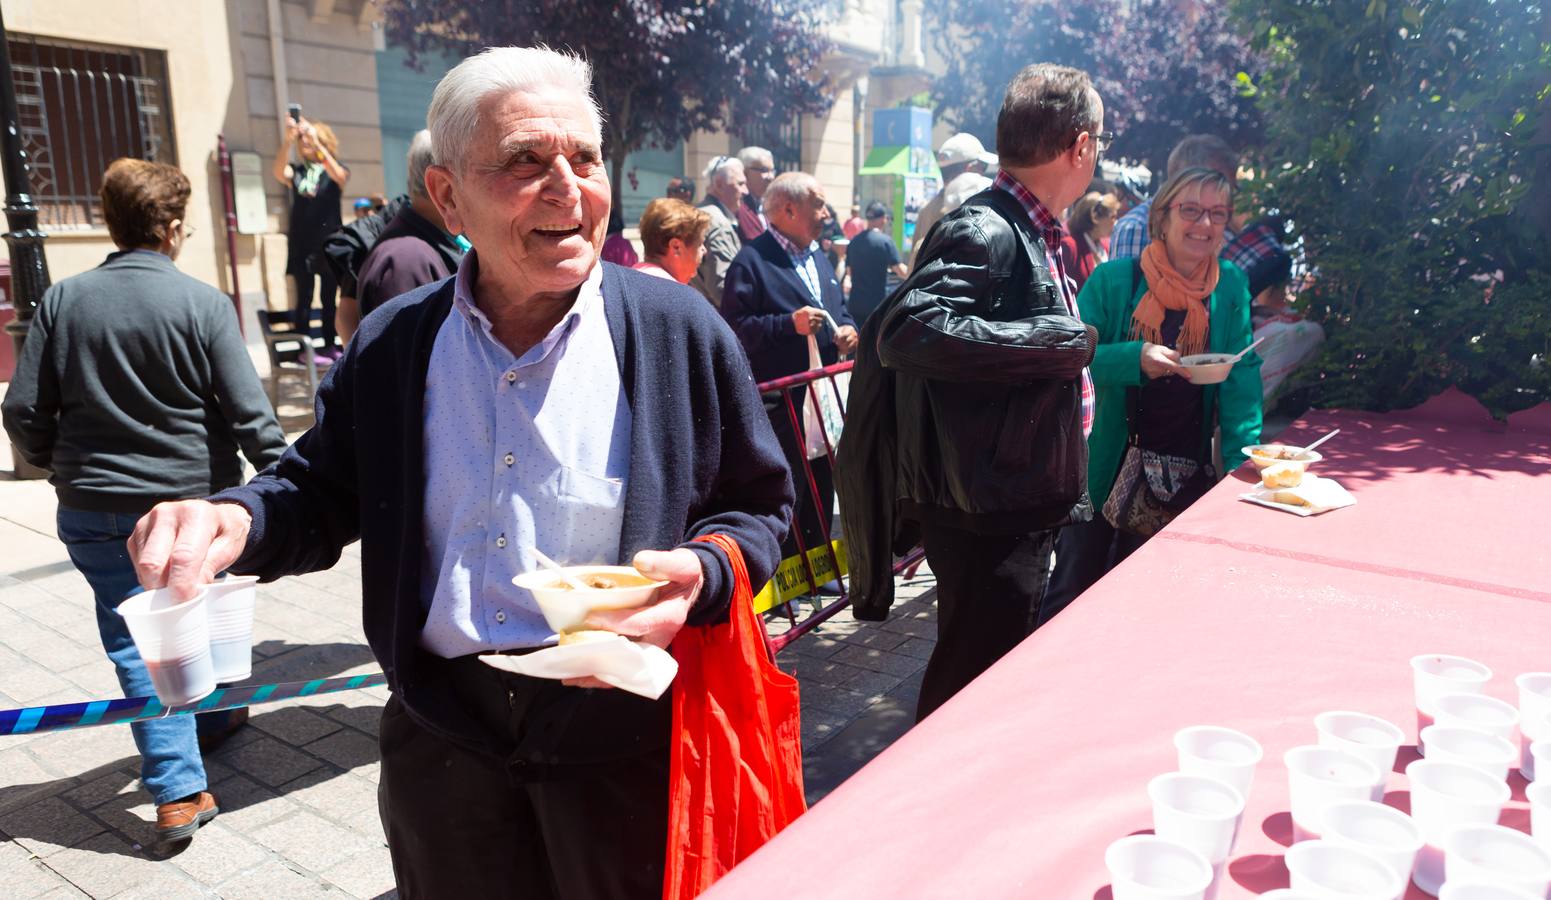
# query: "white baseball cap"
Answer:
x=962 y=148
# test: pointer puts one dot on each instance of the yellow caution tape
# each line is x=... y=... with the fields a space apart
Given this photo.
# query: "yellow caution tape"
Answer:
x=791 y=577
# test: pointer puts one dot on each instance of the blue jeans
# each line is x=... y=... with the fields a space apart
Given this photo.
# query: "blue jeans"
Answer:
x=170 y=764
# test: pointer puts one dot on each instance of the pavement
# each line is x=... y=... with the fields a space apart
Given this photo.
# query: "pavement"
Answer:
x=298 y=785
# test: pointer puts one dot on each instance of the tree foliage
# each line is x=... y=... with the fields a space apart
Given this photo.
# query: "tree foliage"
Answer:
x=662 y=69
x=1407 y=135
x=1165 y=68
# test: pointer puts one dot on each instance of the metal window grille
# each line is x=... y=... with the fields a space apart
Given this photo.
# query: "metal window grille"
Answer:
x=80 y=106
x=782 y=139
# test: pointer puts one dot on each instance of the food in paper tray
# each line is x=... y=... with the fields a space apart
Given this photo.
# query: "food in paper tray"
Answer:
x=1290 y=499
x=565 y=608
x=1281 y=475
x=586 y=636
x=602 y=581
x=1314 y=495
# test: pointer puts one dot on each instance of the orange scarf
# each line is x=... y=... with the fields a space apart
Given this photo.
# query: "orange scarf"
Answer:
x=1168 y=289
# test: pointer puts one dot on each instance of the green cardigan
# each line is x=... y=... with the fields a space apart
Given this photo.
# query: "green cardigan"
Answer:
x=1107 y=302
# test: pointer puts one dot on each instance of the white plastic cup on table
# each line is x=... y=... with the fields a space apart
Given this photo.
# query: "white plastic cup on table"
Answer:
x=1220 y=753
x=1487 y=752
x=1200 y=813
x=1539 y=797
x=1495 y=854
x=230 y=607
x=1534 y=715
x=1148 y=867
x=1335 y=871
x=174 y=641
x=1370 y=737
x=1318 y=777
x=1380 y=830
x=1433 y=674
x=1460 y=890
x=1445 y=796
x=1477 y=711
x=1540 y=759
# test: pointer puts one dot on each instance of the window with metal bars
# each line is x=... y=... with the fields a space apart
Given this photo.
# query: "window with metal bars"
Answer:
x=81 y=106
x=782 y=138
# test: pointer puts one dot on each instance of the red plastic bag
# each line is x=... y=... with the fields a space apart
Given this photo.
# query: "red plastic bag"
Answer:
x=736 y=777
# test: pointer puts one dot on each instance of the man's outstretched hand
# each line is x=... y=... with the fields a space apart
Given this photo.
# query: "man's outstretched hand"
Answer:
x=183 y=545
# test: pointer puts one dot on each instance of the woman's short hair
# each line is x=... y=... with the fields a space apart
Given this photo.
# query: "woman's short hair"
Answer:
x=454 y=114
x=325 y=135
x=1081 y=219
x=140 y=199
x=665 y=219
x=1045 y=108
x=1178 y=184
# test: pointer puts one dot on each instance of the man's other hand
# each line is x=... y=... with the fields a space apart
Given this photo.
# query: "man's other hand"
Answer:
x=183 y=545
x=808 y=319
x=846 y=340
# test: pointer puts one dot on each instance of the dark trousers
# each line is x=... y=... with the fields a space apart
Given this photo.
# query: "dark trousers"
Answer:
x=988 y=593
x=1084 y=552
x=808 y=515
x=574 y=803
x=318 y=271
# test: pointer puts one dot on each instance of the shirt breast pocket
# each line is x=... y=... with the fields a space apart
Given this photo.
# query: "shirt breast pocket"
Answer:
x=585 y=517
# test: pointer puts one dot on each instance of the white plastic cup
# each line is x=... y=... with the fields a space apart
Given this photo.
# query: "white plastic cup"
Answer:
x=1540 y=759
x=1534 y=715
x=230 y=604
x=1539 y=797
x=1494 y=854
x=1433 y=674
x=1333 y=871
x=1370 y=737
x=1383 y=831
x=1487 y=752
x=1221 y=753
x=1477 y=711
x=1318 y=777
x=1200 y=813
x=1460 y=890
x=1444 y=796
x=1147 y=867
x=174 y=641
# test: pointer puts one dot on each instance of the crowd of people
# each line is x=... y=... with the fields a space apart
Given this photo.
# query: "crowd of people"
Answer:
x=1029 y=354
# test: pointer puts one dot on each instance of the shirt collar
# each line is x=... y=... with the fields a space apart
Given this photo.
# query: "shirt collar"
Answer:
x=590 y=296
x=1048 y=226
x=791 y=248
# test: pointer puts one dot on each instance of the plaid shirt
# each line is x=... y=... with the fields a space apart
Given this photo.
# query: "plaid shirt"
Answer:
x=1251 y=246
x=802 y=261
x=1050 y=229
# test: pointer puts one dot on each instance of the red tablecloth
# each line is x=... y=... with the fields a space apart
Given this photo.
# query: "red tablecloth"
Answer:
x=1237 y=615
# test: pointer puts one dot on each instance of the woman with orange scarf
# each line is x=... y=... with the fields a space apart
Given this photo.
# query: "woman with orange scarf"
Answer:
x=1179 y=299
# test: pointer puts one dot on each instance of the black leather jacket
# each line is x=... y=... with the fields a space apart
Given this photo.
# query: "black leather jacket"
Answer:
x=965 y=403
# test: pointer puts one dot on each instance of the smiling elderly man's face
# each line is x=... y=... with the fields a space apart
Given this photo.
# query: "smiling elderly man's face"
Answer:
x=533 y=195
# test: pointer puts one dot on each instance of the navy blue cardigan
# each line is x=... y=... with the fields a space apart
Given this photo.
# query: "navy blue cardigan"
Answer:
x=702 y=459
x=762 y=291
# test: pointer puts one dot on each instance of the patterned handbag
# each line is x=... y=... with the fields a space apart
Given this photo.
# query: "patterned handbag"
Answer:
x=1152 y=488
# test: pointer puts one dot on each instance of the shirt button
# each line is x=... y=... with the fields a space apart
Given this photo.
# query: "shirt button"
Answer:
x=501 y=541
x=511 y=377
x=500 y=615
x=508 y=459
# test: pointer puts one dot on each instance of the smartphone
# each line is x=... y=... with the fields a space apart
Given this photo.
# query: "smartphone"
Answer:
x=294 y=110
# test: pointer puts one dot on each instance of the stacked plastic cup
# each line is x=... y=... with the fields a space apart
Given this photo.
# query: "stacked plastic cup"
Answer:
x=1534 y=716
x=1434 y=674
x=1318 y=777
x=1200 y=813
x=230 y=602
x=1487 y=752
x=1539 y=797
x=1375 y=740
x=1383 y=831
x=174 y=641
x=1221 y=753
x=1493 y=854
x=1446 y=796
x=1331 y=870
x=1147 y=867
x=1477 y=711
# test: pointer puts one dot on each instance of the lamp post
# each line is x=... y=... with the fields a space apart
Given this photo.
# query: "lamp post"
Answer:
x=29 y=267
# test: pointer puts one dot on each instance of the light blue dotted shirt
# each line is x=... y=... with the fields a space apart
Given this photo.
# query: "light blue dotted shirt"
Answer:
x=519 y=452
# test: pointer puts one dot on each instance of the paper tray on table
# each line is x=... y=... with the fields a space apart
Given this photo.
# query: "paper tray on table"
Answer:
x=641 y=669
x=1321 y=494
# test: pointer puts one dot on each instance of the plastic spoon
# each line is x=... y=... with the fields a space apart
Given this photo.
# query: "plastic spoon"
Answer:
x=1318 y=442
x=1246 y=350
x=558 y=569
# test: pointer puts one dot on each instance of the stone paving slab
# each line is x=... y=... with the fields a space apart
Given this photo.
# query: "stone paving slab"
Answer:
x=298 y=787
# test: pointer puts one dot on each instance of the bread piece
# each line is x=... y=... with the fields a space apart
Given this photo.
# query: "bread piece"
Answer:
x=1281 y=475
x=586 y=636
x=1290 y=498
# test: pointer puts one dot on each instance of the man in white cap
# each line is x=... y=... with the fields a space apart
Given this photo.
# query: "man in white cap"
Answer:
x=963 y=161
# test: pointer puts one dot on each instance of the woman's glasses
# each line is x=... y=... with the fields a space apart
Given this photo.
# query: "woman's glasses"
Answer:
x=1192 y=212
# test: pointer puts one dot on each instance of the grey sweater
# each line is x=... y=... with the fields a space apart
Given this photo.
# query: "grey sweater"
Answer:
x=134 y=387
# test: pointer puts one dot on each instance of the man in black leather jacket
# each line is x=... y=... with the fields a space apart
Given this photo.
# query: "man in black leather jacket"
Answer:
x=966 y=412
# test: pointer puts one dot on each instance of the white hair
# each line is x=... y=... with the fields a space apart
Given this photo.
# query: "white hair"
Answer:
x=790 y=187
x=419 y=158
x=753 y=155
x=454 y=114
x=719 y=169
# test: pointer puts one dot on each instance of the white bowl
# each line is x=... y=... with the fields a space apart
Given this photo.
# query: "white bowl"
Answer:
x=566 y=609
x=1207 y=368
x=1304 y=460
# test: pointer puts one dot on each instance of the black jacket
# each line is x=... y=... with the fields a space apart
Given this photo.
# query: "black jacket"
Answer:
x=702 y=459
x=762 y=291
x=965 y=403
x=409 y=253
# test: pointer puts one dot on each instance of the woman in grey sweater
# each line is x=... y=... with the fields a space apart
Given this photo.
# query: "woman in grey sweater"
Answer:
x=135 y=387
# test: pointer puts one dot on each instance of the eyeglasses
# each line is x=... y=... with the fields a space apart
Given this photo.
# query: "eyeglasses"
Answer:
x=1192 y=212
x=1104 y=140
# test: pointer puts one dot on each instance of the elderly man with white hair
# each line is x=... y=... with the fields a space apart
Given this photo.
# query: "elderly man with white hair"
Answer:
x=415 y=248
x=724 y=190
x=538 y=401
x=760 y=168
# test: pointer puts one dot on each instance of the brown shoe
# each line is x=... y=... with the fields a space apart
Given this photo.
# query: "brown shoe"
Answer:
x=179 y=819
